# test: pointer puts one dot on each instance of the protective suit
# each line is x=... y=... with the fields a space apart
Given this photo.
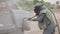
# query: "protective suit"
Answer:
x=45 y=18
x=13 y=21
x=48 y=22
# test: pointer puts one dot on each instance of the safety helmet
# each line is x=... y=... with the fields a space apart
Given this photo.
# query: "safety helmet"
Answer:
x=37 y=8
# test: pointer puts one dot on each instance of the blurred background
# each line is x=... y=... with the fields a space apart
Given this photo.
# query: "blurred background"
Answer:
x=52 y=4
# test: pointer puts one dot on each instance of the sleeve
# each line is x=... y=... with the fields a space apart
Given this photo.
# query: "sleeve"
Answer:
x=40 y=18
x=43 y=18
x=47 y=20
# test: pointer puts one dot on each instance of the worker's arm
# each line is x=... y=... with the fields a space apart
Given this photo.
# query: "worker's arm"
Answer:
x=40 y=18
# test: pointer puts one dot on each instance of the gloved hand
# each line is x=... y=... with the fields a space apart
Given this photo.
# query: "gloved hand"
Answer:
x=41 y=28
x=29 y=19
